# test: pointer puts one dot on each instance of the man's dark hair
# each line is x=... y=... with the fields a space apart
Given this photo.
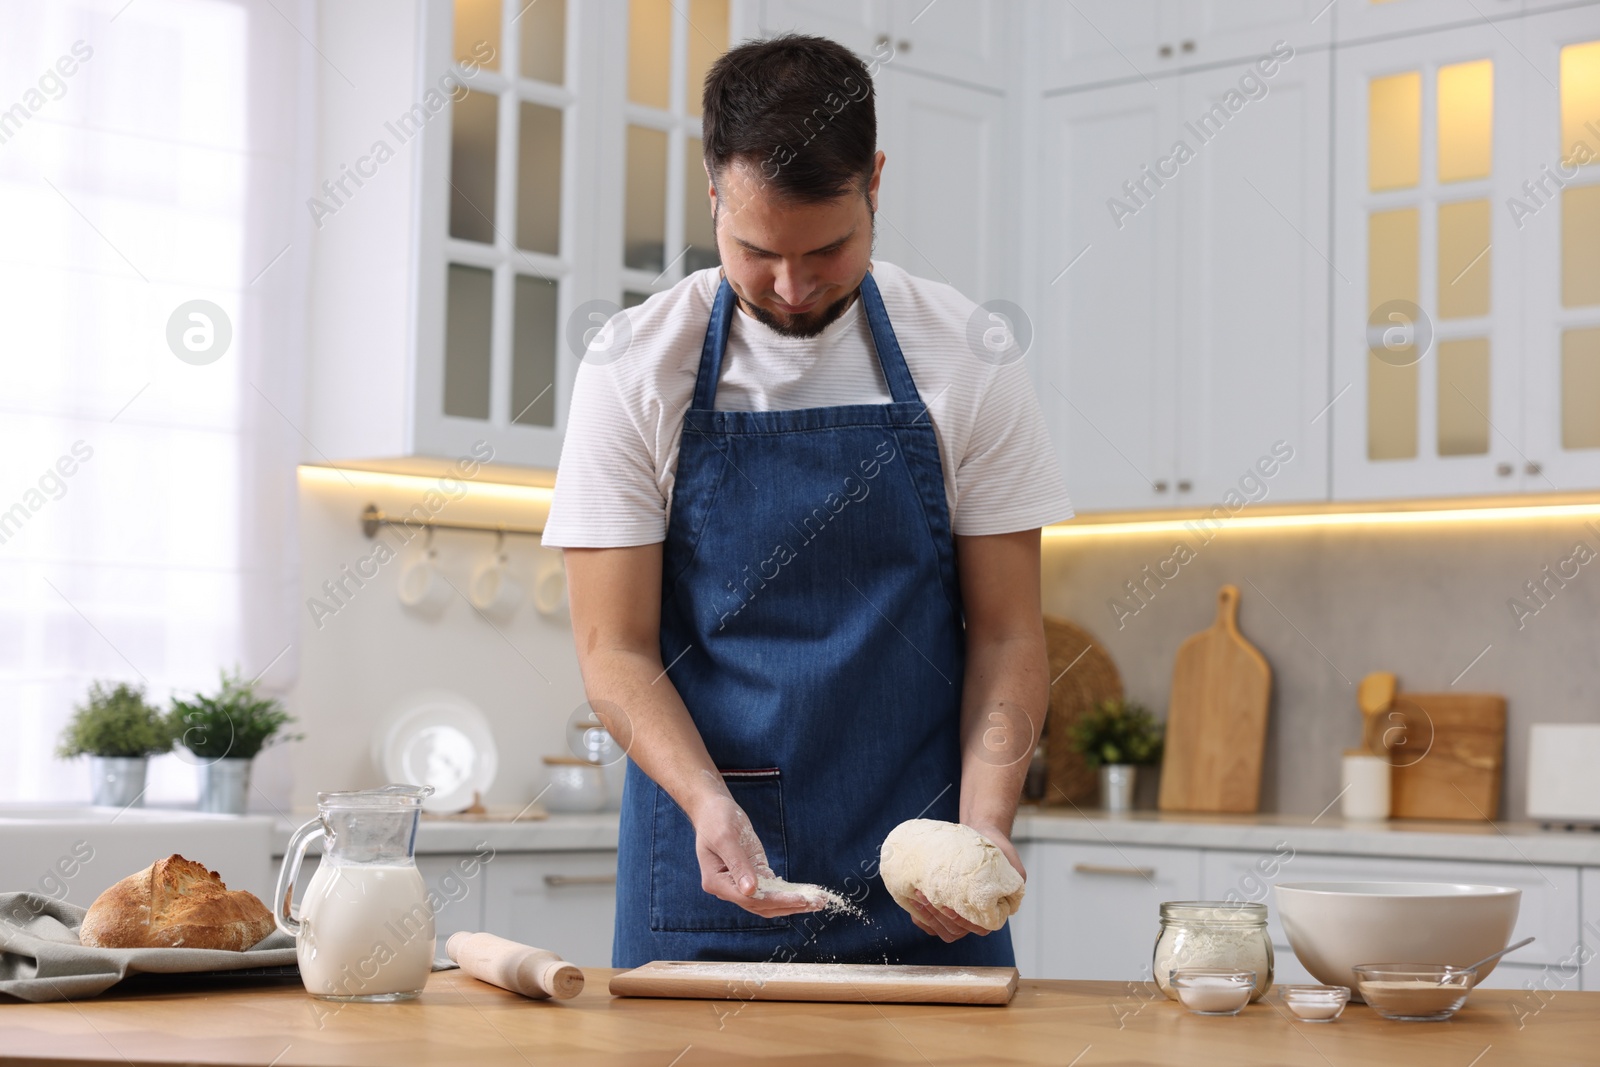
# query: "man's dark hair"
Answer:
x=799 y=109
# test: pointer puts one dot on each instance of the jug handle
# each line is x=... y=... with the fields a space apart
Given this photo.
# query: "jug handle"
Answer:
x=290 y=872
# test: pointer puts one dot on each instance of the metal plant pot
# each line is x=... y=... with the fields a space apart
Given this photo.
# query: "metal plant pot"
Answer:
x=118 y=781
x=224 y=786
x=1116 y=786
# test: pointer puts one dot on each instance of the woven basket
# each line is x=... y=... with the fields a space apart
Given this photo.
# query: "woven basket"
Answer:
x=1082 y=675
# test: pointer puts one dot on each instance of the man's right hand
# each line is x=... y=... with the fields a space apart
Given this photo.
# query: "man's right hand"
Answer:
x=732 y=860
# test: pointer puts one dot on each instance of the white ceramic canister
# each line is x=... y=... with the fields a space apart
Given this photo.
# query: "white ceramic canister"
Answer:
x=1365 y=780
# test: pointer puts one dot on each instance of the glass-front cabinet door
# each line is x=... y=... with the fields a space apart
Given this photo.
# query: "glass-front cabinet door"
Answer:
x=501 y=192
x=1558 y=219
x=1428 y=346
x=666 y=213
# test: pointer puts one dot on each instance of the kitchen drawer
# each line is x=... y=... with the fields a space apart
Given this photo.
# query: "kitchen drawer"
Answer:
x=457 y=884
x=561 y=901
x=1549 y=908
x=1096 y=908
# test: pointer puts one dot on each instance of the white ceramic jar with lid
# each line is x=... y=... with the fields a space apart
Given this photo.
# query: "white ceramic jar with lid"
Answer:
x=1213 y=934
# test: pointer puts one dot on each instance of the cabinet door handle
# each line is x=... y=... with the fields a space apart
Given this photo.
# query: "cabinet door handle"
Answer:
x=556 y=880
x=1165 y=51
x=1159 y=486
x=1503 y=469
x=1129 y=872
x=1184 y=485
x=1188 y=46
x=1534 y=468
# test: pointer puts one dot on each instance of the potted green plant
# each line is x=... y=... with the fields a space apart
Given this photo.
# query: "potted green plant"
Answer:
x=1119 y=738
x=224 y=732
x=119 y=731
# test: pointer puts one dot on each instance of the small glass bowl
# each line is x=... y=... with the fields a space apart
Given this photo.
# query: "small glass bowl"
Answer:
x=1316 y=1003
x=1414 y=992
x=1213 y=990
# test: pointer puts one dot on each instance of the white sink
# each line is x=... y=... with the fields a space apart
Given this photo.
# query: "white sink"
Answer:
x=73 y=853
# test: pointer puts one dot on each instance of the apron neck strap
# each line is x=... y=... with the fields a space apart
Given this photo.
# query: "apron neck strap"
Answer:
x=895 y=373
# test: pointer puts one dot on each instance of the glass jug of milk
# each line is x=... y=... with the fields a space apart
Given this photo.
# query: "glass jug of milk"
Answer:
x=364 y=931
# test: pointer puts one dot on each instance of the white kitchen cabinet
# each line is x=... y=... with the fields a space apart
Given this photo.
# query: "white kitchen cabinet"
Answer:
x=448 y=253
x=941 y=142
x=1554 y=226
x=1096 y=908
x=561 y=901
x=1106 y=324
x=1356 y=20
x=1549 y=908
x=1167 y=377
x=1252 y=290
x=859 y=25
x=1095 y=41
x=956 y=40
x=1587 y=949
x=1433 y=211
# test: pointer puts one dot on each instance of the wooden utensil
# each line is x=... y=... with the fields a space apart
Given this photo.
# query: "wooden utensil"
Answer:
x=843 y=982
x=1375 y=696
x=533 y=972
x=1217 y=718
x=1447 y=751
x=1081 y=676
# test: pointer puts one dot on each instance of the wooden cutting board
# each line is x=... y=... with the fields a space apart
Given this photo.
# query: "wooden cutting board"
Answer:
x=847 y=982
x=1447 y=754
x=1216 y=718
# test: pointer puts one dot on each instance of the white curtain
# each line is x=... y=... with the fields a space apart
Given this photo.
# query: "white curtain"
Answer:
x=150 y=155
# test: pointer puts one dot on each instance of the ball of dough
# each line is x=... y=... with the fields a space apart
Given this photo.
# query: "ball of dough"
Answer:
x=955 y=867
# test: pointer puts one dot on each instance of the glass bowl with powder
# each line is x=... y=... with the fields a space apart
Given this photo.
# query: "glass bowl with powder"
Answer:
x=1216 y=934
x=1315 y=1003
x=1213 y=990
x=1414 y=992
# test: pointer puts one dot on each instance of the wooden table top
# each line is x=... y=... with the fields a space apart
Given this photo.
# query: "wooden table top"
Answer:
x=459 y=1020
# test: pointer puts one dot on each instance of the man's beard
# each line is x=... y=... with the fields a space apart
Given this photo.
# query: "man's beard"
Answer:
x=805 y=325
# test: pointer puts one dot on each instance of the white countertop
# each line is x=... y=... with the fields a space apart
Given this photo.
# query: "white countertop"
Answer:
x=1505 y=842
x=1498 y=842
x=552 y=833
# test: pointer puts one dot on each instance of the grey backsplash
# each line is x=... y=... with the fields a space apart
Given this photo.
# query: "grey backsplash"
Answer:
x=1328 y=605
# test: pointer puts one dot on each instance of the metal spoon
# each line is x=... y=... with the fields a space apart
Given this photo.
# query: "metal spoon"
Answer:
x=1491 y=957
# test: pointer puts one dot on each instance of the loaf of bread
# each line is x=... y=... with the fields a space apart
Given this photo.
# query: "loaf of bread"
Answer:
x=175 y=903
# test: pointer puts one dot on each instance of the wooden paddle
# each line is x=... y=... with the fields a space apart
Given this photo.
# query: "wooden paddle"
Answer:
x=1217 y=718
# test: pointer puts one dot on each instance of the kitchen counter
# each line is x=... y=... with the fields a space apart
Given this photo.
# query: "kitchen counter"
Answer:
x=1505 y=842
x=554 y=833
x=460 y=1020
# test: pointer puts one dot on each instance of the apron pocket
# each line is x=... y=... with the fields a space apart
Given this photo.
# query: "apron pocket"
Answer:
x=677 y=903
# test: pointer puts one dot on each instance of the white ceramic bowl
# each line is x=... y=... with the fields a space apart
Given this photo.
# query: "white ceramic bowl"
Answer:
x=1334 y=926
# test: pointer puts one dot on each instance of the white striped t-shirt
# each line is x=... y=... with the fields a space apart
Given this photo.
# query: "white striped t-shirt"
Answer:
x=614 y=483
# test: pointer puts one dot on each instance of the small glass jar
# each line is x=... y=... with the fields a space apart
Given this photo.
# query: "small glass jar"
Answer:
x=1213 y=934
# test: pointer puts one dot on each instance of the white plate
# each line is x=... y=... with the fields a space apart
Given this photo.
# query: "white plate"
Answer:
x=438 y=739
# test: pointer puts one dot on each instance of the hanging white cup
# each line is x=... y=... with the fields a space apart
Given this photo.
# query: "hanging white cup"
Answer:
x=495 y=590
x=423 y=587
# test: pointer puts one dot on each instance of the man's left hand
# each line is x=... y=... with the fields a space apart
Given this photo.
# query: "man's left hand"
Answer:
x=946 y=923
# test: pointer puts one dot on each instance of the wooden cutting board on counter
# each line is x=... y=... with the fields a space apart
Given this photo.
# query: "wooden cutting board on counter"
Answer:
x=839 y=982
x=1446 y=751
x=1216 y=718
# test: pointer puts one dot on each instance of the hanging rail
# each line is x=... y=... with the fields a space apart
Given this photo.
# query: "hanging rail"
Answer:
x=372 y=518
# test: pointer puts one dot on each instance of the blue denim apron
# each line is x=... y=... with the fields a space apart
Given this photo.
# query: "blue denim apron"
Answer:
x=811 y=621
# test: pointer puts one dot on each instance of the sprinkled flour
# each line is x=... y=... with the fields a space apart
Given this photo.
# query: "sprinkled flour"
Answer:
x=820 y=897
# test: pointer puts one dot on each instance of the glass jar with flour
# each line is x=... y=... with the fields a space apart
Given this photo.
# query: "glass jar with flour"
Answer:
x=1213 y=933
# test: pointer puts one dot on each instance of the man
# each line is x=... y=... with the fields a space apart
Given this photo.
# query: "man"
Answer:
x=802 y=547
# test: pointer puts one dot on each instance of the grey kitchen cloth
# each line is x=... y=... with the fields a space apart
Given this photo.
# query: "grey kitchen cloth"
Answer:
x=41 y=959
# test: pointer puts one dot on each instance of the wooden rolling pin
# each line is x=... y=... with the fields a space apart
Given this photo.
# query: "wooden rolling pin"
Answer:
x=533 y=972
